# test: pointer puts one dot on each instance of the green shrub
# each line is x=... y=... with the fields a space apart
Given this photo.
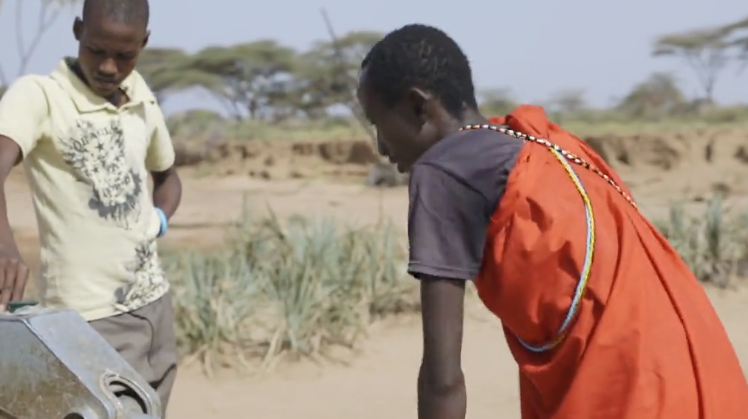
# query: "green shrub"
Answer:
x=297 y=287
x=714 y=243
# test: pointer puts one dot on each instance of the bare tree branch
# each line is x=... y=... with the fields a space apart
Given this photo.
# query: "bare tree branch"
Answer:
x=3 y=78
x=352 y=102
x=49 y=11
x=48 y=14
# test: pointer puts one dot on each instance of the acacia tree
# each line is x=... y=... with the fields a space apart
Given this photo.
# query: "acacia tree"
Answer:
x=328 y=72
x=264 y=79
x=736 y=38
x=655 y=97
x=706 y=52
x=247 y=78
x=167 y=70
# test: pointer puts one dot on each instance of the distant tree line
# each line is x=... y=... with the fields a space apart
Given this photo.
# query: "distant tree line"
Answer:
x=265 y=80
x=707 y=52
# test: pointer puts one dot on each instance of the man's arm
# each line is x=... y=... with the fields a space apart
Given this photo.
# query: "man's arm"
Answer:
x=167 y=191
x=447 y=224
x=441 y=383
x=10 y=154
x=13 y=271
x=23 y=110
x=167 y=187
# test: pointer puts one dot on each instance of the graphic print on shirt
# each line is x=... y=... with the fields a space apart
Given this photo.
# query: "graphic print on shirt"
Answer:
x=97 y=155
x=148 y=276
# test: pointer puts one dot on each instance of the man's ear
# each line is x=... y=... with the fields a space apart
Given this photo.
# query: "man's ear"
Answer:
x=77 y=28
x=145 y=40
x=419 y=101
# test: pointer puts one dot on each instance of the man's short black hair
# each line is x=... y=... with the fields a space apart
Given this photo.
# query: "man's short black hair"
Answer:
x=123 y=11
x=424 y=57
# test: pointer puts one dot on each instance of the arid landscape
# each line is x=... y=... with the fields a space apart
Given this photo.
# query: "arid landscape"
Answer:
x=287 y=256
x=327 y=179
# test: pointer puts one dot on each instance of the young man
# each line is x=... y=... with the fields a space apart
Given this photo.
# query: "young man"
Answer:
x=603 y=318
x=88 y=135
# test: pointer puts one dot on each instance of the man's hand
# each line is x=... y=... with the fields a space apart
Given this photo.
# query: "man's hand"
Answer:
x=13 y=276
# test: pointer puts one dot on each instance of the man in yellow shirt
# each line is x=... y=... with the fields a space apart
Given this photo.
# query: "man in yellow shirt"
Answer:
x=89 y=134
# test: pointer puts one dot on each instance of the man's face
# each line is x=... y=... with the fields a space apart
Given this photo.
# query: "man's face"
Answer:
x=400 y=129
x=108 y=51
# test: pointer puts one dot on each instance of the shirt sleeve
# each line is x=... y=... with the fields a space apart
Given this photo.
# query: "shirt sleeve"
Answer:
x=160 y=156
x=23 y=111
x=447 y=223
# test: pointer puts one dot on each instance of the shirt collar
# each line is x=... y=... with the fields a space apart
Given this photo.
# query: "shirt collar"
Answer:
x=86 y=100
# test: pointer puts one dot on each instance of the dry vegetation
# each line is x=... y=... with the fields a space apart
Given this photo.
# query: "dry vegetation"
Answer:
x=304 y=288
x=295 y=287
x=714 y=243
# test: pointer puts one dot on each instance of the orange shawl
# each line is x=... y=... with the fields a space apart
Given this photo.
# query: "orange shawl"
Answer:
x=645 y=343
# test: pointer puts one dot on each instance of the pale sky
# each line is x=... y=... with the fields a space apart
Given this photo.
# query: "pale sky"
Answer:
x=533 y=47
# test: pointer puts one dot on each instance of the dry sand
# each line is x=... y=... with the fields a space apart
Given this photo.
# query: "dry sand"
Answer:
x=380 y=382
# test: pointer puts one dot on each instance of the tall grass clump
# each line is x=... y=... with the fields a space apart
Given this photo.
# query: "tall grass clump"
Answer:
x=286 y=287
x=713 y=243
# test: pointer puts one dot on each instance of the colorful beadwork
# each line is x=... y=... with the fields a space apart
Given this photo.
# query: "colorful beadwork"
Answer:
x=564 y=157
x=569 y=156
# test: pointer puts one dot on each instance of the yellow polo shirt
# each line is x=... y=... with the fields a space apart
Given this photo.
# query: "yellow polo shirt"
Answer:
x=88 y=164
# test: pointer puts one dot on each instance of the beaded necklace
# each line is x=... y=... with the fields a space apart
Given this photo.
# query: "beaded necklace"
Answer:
x=564 y=157
x=553 y=147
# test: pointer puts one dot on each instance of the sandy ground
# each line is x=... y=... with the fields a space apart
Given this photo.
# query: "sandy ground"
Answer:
x=381 y=381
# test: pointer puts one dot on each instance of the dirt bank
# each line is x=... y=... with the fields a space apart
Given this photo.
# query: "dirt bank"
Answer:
x=689 y=164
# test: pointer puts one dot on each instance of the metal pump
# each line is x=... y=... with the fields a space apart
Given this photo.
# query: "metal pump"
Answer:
x=54 y=365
